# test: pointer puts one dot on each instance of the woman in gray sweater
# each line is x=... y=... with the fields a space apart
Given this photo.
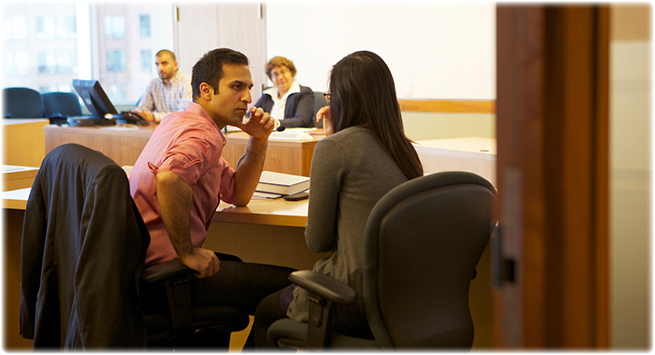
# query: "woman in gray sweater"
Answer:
x=365 y=155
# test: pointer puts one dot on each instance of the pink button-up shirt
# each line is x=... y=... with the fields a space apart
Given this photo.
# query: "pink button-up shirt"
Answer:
x=189 y=144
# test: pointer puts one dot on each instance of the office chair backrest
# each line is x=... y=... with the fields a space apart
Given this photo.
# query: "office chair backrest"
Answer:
x=423 y=241
x=22 y=103
x=63 y=103
x=83 y=249
x=319 y=101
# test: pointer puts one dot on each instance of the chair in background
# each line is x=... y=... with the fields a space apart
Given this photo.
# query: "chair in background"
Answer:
x=59 y=106
x=22 y=103
x=83 y=256
x=422 y=243
x=319 y=101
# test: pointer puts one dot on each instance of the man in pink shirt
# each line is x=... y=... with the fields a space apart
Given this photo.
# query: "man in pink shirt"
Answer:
x=180 y=177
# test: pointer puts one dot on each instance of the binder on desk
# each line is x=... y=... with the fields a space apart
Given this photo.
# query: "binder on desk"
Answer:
x=283 y=184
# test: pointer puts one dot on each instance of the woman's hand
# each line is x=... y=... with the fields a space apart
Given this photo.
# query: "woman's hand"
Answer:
x=324 y=114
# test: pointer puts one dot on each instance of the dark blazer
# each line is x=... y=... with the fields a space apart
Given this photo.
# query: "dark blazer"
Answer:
x=83 y=248
x=299 y=110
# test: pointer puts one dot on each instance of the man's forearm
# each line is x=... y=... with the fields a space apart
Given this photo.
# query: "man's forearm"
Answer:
x=248 y=173
x=175 y=197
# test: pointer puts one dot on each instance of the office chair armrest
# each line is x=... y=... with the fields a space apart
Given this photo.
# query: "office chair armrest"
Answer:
x=324 y=286
x=166 y=270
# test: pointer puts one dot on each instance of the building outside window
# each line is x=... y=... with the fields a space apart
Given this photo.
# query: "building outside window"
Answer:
x=146 y=61
x=121 y=58
x=46 y=45
x=116 y=61
x=144 y=25
x=114 y=26
x=40 y=45
x=15 y=27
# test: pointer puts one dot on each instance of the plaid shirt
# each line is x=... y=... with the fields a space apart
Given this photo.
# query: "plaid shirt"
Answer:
x=161 y=99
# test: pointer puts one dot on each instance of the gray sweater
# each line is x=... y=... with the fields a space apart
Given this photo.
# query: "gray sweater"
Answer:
x=350 y=172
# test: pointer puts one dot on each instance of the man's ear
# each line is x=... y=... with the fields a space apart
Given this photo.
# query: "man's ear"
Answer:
x=206 y=91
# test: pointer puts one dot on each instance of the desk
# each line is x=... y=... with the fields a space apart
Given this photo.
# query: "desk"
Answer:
x=283 y=156
x=265 y=231
x=472 y=154
x=23 y=141
x=17 y=177
x=124 y=146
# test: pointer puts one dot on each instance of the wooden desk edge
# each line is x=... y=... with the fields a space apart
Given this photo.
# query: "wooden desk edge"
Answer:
x=262 y=219
x=14 y=204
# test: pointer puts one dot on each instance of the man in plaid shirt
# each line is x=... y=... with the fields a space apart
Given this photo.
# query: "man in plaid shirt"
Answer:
x=163 y=94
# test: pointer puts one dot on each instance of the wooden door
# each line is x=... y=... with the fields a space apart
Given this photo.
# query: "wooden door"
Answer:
x=201 y=27
x=552 y=131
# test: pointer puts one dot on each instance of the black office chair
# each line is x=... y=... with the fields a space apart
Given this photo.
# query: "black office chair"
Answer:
x=319 y=101
x=422 y=243
x=59 y=106
x=82 y=266
x=22 y=103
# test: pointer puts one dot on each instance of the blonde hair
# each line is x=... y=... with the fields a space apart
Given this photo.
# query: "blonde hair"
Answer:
x=280 y=62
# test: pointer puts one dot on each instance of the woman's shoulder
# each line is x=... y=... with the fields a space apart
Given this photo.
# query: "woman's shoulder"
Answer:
x=351 y=135
x=306 y=90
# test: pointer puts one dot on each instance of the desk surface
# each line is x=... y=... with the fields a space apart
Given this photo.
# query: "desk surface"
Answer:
x=277 y=212
x=465 y=148
x=15 y=121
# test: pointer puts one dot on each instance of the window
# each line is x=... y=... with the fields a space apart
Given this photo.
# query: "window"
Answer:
x=116 y=92
x=116 y=61
x=43 y=49
x=66 y=27
x=45 y=27
x=115 y=27
x=57 y=62
x=16 y=63
x=146 y=61
x=144 y=25
x=15 y=27
x=55 y=88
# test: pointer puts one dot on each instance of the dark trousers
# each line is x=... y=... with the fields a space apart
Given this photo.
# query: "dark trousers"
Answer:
x=269 y=310
x=238 y=284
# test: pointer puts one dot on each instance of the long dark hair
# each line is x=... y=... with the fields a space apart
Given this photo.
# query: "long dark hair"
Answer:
x=363 y=94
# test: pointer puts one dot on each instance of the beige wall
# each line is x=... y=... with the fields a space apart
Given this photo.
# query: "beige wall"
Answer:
x=437 y=125
x=630 y=136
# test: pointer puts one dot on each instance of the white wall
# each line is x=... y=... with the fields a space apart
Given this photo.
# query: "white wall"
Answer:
x=434 y=50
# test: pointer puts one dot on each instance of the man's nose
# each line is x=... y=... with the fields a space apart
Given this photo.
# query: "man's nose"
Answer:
x=247 y=97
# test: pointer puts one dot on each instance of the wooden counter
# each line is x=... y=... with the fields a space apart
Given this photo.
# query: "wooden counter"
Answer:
x=125 y=145
x=23 y=141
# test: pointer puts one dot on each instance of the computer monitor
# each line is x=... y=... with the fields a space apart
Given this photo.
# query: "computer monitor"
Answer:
x=94 y=97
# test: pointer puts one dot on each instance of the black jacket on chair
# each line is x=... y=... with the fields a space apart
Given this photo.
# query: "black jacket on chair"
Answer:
x=83 y=249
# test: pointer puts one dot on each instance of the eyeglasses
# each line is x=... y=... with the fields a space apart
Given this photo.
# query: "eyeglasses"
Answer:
x=277 y=74
x=327 y=95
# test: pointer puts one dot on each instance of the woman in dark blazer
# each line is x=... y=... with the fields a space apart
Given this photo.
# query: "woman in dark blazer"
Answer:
x=290 y=104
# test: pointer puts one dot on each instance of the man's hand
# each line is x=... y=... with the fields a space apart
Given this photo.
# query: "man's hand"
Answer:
x=324 y=114
x=259 y=125
x=203 y=261
x=147 y=115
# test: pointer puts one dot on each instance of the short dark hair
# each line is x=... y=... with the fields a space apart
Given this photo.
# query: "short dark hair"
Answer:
x=209 y=69
x=363 y=93
x=280 y=62
x=166 y=51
